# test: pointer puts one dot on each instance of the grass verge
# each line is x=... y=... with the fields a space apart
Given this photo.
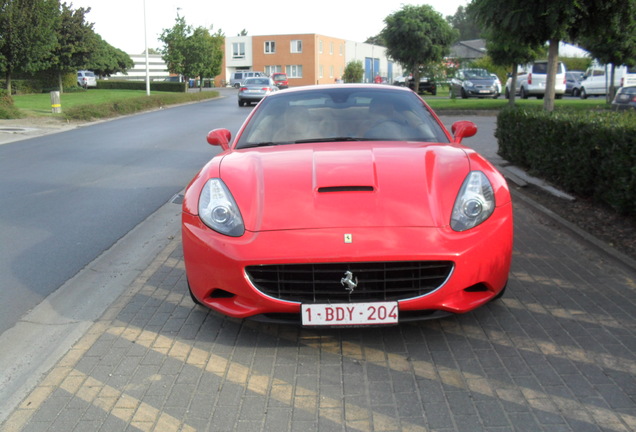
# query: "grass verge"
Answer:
x=95 y=104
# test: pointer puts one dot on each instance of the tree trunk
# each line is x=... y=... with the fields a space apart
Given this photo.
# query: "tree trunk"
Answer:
x=550 y=82
x=612 y=89
x=59 y=82
x=513 y=85
x=416 y=78
x=8 y=81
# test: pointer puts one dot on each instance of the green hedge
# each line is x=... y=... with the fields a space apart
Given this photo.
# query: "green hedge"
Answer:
x=133 y=105
x=591 y=154
x=166 y=86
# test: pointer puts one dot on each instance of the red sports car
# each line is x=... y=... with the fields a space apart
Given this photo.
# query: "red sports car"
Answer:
x=346 y=205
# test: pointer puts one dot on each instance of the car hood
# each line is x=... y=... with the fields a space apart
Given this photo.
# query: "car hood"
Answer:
x=345 y=185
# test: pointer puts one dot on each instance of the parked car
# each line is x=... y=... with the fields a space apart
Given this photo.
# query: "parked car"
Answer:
x=497 y=82
x=625 y=98
x=237 y=78
x=597 y=80
x=531 y=81
x=86 y=79
x=426 y=85
x=346 y=205
x=473 y=83
x=255 y=89
x=573 y=82
x=280 y=79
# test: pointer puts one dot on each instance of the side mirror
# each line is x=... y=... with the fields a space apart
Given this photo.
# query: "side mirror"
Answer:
x=220 y=137
x=463 y=129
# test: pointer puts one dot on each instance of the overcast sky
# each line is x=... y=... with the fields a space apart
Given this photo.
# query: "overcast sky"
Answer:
x=121 y=22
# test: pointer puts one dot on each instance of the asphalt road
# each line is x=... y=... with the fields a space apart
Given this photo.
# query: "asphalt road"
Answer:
x=65 y=198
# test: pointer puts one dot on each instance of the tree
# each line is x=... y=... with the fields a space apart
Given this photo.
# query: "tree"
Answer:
x=192 y=53
x=611 y=37
x=506 y=49
x=467 y=27
x=107 y=60
x=27 y=35
x=416 y=36
x=204 y=54
x=353 y=72
x=175 y=43
x=550 y=21
x=75 y=42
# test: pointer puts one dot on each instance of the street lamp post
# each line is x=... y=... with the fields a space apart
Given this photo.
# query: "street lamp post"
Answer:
x=146 y=50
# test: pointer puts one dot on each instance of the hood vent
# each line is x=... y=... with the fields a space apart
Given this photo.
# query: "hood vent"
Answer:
x=345 y=189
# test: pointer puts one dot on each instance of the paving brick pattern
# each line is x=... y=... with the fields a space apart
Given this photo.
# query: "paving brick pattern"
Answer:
x=557 y=353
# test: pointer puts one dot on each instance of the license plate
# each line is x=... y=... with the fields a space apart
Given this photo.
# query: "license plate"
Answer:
x=484 y=91
x=376 y=313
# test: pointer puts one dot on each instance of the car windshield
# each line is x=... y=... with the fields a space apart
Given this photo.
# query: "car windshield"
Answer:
x=341 y=114
x=477 y=73
x=629 y=90
x=257 y=81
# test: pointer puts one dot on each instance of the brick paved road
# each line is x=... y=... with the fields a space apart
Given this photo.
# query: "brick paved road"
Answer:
x=557 y=353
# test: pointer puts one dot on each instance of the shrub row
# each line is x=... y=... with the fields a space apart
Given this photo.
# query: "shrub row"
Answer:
x=166 y=86
x=590 y=154
x=133 y=105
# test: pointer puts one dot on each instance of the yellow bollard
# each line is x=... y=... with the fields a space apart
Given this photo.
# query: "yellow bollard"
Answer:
x=56 y=105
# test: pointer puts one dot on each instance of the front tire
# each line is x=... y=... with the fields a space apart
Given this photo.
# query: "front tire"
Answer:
x=583 y=93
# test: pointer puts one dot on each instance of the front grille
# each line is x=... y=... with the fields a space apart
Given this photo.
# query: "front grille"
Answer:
x=376 y=281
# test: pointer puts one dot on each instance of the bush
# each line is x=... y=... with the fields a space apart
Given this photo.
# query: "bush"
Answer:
x=591 y=154
x=7 y=109
x=166 y=86
x=129 y=106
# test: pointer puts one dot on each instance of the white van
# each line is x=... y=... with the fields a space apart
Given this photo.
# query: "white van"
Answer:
x=531 y=81
x=597 y=79
x=236 y=78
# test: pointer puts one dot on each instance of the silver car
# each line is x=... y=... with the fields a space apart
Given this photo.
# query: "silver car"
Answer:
x=255 y=89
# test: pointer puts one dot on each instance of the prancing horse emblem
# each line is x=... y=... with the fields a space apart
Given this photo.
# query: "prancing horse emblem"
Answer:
x=348 y=281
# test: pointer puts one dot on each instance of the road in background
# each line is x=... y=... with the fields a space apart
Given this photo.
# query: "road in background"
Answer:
x=67 y=197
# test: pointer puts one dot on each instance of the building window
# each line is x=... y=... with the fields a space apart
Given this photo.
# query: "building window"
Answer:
x=270 y=47
x=330 y=71
x=320 y=46
x=320 y=71
x=331 y=48
x=273 y=69
x=296 y=46
x=294 y=71
x=238 y=50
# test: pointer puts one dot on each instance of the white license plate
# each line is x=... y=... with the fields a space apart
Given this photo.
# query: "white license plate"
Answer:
x=376 y=313
x=484 y=91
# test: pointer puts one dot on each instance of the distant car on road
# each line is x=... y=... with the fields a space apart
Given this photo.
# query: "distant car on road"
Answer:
x=86 y=79
x=474 y=83
x=280 y=79
x=625 y=99
x=255 y=89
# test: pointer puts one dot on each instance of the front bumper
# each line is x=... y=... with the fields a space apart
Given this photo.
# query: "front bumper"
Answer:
x=215 y=264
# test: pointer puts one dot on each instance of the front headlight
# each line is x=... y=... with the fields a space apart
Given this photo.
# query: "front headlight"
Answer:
x=468 y=83
x=218 y=210
x=475 y=202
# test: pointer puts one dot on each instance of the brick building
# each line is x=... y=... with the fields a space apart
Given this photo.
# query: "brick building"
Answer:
x=305 y=58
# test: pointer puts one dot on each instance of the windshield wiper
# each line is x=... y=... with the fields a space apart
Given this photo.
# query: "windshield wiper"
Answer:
x=260 y=144
x=330 y=139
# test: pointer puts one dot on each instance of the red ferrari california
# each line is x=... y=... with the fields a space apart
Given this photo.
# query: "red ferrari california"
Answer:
x=346 y=205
